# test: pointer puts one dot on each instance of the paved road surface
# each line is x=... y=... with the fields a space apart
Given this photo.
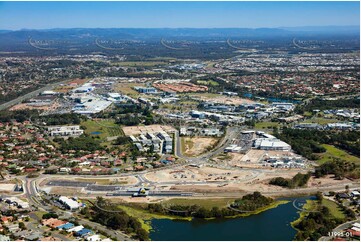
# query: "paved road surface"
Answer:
x=339 y=229
x=111 y=233
x=30 y=95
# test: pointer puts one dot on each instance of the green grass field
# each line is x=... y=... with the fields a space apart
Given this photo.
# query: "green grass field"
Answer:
x=107 y=128
x=334 y=152
x=128 y=88
x=335 y=210
x=206 y=203
x=208 y=83
x=267 y=125
x=321 y=120
x=145 y=217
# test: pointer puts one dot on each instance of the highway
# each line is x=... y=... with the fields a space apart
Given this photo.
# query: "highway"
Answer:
x=30 y=95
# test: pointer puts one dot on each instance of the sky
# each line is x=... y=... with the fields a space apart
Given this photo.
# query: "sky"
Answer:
x=46 y=15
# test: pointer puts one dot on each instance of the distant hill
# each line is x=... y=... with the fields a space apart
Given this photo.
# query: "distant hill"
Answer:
x=326 y=29
x=86 y=40
x=156 y=33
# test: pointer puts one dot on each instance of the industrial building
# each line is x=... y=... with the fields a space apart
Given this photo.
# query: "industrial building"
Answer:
x=17 y=202
x=269 y=142
x=146 y=90
x=69 y=203
x=91 y=106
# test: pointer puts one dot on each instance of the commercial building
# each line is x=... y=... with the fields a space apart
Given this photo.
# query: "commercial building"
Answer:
x=146 y=90
x=160 y=142
x=92 y=106
x=271 y=144
x=17 y=202
x=69 y=203
x=73 y=130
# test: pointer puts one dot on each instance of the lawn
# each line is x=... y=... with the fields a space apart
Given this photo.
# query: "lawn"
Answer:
x=145 y=217
x=321 y=121
x=334 y=152
x=106 y=128
x=206 y=203
x=267 y=125
x=335 y=210
x=128 y=88
x=208 y=83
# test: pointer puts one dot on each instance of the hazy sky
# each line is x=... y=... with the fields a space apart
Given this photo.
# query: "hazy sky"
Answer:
x=40 y=15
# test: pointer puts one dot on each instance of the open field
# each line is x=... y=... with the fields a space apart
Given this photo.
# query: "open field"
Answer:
x=321 y=121
x=180 y=87
x=193 y=146
x=137 y=130
x=335 y=210
x=22 y=106
x=105 y=181
x=267 y=125
x=207 y=203
x=218 y=98
x=64 y=88
x=102 y=128
x=145 y=216
x=203 y=174
x=334 y=152
x=7 y=187
x=127 y=88
x=208 y=83
x=141 y=63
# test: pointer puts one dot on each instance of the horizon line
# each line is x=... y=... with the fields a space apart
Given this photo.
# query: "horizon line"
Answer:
x=279 y=27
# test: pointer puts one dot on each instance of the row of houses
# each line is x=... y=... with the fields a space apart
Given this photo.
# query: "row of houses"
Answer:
x=329 y=126
x=78 y=231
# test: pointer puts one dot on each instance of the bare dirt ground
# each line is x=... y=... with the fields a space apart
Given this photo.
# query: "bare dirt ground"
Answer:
x=229 y=100
x=253 y=157
x=324 y=181
x=155 y=128
x=66 y=191
x=194 y=146
x=22 y=106
x=9 y=187
x=127 y=88
x=129 y=180
x=203 y=174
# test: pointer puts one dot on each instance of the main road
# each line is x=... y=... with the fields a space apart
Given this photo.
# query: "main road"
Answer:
x=30 y=95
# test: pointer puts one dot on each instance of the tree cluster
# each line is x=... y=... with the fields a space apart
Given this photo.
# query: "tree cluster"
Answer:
x=119 y=220
x=299 y=180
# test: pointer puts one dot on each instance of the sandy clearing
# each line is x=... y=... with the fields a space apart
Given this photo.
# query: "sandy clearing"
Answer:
x=197 y=145
x=229 y=100
x=192 y=174
x=7 y=187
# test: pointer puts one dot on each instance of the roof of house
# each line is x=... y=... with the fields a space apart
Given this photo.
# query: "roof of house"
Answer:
x=83 y=231
x=66 y=226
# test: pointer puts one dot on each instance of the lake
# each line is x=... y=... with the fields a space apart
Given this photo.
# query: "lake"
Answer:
x=273 y=224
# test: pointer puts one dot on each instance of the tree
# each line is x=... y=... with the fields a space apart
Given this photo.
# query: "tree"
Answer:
x=22 y=226
x=319 y=197
x=142 y=234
